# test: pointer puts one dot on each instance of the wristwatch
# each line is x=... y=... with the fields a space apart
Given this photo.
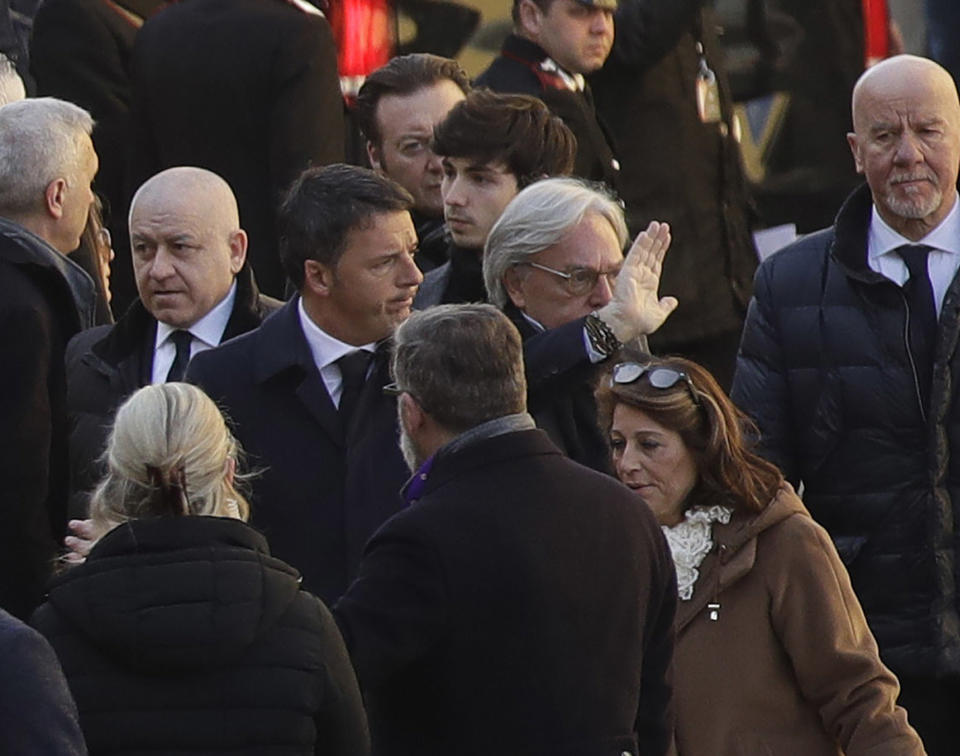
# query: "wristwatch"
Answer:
x=601 y=335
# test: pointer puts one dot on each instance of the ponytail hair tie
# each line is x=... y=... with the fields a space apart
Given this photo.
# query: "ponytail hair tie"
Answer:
x=173 y=490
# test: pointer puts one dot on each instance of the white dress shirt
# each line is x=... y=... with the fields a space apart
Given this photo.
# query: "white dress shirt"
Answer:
x=942 y=262
x=206 y=332
x=326 y=350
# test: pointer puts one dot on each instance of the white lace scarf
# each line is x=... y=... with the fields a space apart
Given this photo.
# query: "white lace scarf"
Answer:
x=690 y=541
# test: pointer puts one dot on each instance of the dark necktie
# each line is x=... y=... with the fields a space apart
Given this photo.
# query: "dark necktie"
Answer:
x=923 y=313
x=182 y=340
x=353 y=367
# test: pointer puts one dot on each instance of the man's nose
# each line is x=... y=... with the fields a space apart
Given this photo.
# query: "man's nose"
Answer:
x=410 y=274
x=434 y=164
x=601 y=23
x=602 y=291
x=162 y=265
x=908 y=151
x=451 y=192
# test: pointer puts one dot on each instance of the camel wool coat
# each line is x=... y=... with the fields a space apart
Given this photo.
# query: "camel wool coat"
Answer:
x=788 y=667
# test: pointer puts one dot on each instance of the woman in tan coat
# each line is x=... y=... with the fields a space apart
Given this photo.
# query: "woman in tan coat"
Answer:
x=773 y=654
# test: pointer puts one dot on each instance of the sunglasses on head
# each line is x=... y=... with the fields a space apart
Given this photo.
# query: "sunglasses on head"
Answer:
x=659 y=376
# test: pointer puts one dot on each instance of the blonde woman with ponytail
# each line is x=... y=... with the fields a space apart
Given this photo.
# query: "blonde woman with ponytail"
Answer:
x=180 y=633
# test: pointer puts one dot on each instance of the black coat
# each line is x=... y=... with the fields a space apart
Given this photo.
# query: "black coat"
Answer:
x=826 y=372
x=523 y=605
x=676 y=168
x=457 y=281
x=107 y=364
x=37 y=713
x=560 y=385
x=514 y=71
x=432 y=241
x=184 y=636
x=247 y=89
x=322 y=491
x=44 y=300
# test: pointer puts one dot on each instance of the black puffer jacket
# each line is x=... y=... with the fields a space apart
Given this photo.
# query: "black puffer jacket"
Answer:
x=184 y=636
x=824 y=369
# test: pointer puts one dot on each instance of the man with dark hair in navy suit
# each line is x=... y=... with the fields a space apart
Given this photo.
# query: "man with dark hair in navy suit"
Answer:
x=305 y=389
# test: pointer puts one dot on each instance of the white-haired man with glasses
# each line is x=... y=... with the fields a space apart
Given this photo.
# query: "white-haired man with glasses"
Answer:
x=554 y=264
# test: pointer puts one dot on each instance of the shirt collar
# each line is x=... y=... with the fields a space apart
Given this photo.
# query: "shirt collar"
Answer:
x=884 y=240
x=326 y=349
x=574 y=81
x=535 y=323
x=210 y=328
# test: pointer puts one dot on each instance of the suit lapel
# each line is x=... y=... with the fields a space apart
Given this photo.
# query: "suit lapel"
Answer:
x=140 y=367
x=284 y=355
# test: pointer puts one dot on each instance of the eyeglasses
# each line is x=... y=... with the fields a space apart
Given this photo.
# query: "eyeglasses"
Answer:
x=579 y=281
x=393 y=389
x=660 y=377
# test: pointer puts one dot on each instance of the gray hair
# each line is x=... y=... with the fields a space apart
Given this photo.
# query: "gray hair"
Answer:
x=539 y=217
x=11 y=85
x=463 y=364
x=41 y=140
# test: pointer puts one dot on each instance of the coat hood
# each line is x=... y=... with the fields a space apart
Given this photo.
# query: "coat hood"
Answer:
x=744 y=528
x=736 y=550
x=175 y=593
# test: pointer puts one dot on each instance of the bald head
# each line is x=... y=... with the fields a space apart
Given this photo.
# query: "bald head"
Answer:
x=187 y=244
x=891 y=77
x=189 y=186
x=906 y=141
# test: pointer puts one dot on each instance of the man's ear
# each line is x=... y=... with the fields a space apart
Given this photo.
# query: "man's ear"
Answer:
x=374 y=156
x=318 y=277
x=238 y=250
x=411 y=413
x=513 y=283
x=854 y=143
x=531 y=18
x=54 y=197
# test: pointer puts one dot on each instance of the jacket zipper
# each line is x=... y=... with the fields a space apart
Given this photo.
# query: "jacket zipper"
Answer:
x=913 y=364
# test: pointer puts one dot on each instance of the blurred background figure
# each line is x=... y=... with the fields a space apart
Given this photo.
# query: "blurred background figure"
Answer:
x=766 y=613
x=663 y=93
x=793 y=64
x=943 y=31
x=94 y=255
x=180 y=633
x=554 y=43
x=247 y=89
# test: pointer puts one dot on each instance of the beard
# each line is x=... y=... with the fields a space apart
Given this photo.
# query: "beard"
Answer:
x=412 y=455
x=409 y=451
x=914 y=205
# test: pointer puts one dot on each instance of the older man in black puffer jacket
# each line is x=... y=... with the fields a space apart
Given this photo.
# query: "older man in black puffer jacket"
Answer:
x=848 y=364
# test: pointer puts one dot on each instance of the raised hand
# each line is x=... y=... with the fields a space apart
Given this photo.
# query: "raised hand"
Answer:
x=636 y=308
